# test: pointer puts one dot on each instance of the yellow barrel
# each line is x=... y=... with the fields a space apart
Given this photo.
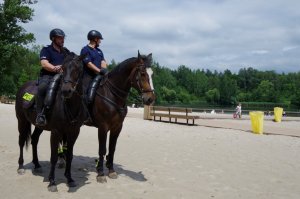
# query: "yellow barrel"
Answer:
x=278 y=114
x=257 y=121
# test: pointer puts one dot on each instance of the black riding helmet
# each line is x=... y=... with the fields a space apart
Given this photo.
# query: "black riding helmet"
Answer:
x=56 y=33
x=94 y=34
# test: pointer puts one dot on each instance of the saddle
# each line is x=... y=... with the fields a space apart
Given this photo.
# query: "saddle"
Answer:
x=31 y=91
x=92 y=89
x=29 y=96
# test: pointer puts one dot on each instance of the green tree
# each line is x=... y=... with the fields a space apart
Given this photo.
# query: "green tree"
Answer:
x=295 y=99
x=228 y=89
x=13 y=38
x=265 y=92
x=7 y=86
x=169 y=95
x=212 y=96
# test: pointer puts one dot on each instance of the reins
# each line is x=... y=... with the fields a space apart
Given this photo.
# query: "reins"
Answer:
x=134 y=76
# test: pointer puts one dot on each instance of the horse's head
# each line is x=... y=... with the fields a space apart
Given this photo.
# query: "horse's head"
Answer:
x=72 y=73
x=141 y=78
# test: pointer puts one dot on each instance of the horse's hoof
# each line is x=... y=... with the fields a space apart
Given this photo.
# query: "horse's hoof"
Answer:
x=113 y=175
x=21 y=171
x=72 y=184
x=52 y=188
x=101 y=179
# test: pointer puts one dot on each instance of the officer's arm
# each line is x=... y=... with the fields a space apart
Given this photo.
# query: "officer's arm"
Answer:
x=93 y=67
x=49 y=67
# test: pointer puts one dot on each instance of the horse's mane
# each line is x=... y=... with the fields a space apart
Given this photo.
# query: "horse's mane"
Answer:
x=124 y=63
x=132 y=59
x=69 y=57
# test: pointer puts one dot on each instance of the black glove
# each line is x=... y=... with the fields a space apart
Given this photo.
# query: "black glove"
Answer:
x=103 y=71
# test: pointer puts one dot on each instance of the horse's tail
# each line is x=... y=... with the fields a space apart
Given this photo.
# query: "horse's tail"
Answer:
x=24 y=126
x=27 y=136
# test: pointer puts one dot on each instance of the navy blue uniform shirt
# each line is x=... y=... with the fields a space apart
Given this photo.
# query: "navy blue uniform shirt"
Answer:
x=94 y=55
x=53 y=56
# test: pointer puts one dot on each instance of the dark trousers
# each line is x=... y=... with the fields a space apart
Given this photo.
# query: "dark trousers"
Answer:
x=43 y=84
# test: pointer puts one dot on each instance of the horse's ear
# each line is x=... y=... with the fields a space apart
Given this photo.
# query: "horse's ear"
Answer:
x=149 y=56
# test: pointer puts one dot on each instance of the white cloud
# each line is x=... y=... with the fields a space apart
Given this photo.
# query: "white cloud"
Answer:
x=219 y=34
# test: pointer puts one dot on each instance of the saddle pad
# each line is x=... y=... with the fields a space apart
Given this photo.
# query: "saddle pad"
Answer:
x=29 y=96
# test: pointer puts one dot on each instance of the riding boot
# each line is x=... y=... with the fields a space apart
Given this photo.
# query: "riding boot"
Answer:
x=41 y=118
x=51 y=91
x=92 y=89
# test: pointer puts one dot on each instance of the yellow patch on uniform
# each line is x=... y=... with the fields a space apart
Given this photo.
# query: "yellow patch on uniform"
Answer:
x=28 y=96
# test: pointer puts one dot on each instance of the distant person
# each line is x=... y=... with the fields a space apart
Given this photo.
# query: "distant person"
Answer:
x=238 y=110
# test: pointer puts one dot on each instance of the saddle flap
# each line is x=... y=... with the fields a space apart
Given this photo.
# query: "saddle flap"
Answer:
x=29 y=96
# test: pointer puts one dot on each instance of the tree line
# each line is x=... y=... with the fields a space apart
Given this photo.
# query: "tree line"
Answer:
x=186 y=86
x=182 y=86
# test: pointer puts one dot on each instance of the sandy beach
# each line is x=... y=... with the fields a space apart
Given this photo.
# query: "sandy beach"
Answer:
x=217 y=158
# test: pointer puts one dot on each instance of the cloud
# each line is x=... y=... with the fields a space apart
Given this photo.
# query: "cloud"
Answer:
x=215 y=35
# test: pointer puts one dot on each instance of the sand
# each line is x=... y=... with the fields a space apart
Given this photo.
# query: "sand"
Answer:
x=162 y=160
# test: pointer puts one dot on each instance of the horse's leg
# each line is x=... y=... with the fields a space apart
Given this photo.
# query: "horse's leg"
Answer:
x=34 y=142
x=102 y=136
x=113 y=137
x=54 y=141
x=72 y=137
x=62 y=150
x=24 y=128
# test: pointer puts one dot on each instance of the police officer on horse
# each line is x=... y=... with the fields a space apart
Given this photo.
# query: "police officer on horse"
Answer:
x=94 y=62
x=51 y=58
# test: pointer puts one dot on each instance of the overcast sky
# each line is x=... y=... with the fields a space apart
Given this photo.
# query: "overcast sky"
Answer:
x=211 y=34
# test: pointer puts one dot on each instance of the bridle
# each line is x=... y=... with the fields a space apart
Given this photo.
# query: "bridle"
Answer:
x=73 y=83
x=137 y=74
x=73 y=118
x=135 y=78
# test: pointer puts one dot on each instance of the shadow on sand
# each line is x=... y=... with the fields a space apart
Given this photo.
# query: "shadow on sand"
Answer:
x=81 y=168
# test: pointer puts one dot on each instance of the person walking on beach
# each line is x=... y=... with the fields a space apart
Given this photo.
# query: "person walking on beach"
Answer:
x=238 y=110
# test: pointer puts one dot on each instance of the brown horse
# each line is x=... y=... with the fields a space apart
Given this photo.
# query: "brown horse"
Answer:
x=64 y=119
x=109 y=108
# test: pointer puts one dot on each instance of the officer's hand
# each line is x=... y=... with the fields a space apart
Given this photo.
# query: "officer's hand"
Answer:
x=58 y=69
x=103 y=71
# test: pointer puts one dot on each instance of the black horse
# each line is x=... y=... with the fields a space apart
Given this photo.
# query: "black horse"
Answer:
x=109 y=107
x=65 y=118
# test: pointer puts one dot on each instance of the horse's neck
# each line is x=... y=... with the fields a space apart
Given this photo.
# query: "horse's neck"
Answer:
x=121 y=79
x=74 y=103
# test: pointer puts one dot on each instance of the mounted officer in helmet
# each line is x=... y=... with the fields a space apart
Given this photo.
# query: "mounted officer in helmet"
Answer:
x=94 y=63
x=51 y=58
